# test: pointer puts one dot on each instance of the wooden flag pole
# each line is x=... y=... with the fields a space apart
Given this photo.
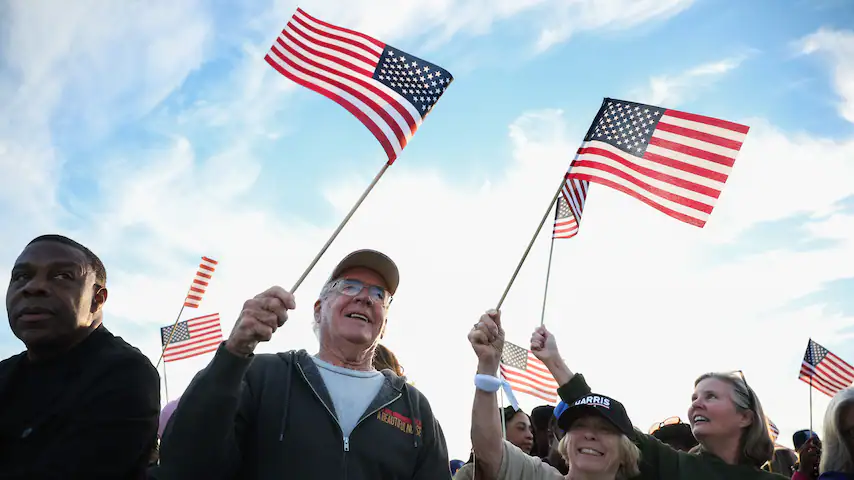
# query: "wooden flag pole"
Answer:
x=165 y=382
x=811 y=430
x=171 y=333
x=530 y=244
x=548 y=276
x=340 y=226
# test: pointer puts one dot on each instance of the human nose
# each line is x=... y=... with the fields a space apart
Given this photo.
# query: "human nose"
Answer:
x=35 y=286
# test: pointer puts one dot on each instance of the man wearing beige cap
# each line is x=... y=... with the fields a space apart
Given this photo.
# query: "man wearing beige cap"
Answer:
x=296 y=416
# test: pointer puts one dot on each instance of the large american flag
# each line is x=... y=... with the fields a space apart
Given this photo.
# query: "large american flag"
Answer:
x=388 y=90
x=674 y=161
x=527 y=374
x=570 y=205
x=825 y=371
x=192 y=337
x=200 y=283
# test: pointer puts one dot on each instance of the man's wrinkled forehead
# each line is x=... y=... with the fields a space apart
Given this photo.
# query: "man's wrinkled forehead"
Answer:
x=51 y=254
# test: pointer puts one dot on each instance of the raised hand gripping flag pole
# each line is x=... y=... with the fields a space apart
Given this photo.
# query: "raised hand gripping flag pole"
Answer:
x=194 y=297
x=674 y=161
x=388 y=90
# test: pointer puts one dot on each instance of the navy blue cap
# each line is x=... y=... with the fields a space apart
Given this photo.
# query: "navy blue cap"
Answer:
x=597 y=404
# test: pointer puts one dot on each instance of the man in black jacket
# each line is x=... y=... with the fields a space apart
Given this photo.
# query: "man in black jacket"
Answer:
x=295 y=416
x=79 y=403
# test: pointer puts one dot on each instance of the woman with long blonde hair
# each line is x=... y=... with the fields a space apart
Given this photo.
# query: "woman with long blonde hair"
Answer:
x=837 y=454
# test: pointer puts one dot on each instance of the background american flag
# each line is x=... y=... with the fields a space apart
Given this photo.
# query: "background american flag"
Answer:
x=570 y=205
x=200 y=283
x=825 y=371
x=527 y=374
x=674 y=161
x=388 y=90
x=191 y=338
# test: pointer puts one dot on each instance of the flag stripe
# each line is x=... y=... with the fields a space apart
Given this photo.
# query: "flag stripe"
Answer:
x=716 y=122
x=819 y=386
x=381 y=96
x=672 y=209
x=655 y=187
x=536 y=376
x=344 y=84
x=684 y=166
x=703 y=127
x=707 y=138
x=708 y=189
x=845 y=370
x=344 y=61
x=517 y=377
x=337 y=95
x=695 y=152
x=366 y=39
x=715 y=153
x=808 y=371
x=337 y=34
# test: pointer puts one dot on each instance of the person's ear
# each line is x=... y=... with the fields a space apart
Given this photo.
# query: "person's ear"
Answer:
x=98 y=299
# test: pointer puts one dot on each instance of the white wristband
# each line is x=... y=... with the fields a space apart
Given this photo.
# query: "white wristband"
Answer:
x=491 y=384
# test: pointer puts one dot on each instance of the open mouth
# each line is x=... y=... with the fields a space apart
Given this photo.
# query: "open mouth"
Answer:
x=358 y=316
x=590 y=451
x=698 y=419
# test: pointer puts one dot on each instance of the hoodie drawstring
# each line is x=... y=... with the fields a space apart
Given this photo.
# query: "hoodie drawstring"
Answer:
x=416 y=419
x=287 y=396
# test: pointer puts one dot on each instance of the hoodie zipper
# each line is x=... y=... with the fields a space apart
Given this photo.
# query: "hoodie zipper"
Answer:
x=346 y=439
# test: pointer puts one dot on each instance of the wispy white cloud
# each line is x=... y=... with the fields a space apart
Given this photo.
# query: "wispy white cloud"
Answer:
x=838 y=47
x=672 y=90
x=571 y=16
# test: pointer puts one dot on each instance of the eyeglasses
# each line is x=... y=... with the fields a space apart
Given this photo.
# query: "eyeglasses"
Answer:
x=352 y=288
x=668 y=421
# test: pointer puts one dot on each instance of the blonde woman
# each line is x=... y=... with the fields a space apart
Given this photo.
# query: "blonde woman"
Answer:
x=837 y=452
x=725 y=416
x=597 y=444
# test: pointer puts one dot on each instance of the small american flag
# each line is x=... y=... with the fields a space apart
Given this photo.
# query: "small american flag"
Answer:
x=570 y=204
x=200 y=283
x=825 y=371
x=527 y=374
x=773 y=431
x=675 y=162
x=388 y=90
x=192 y=337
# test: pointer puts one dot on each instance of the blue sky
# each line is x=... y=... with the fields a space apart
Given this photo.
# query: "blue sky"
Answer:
x=156 y=134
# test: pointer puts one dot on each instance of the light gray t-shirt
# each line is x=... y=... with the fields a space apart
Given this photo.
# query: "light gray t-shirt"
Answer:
x=351 y=391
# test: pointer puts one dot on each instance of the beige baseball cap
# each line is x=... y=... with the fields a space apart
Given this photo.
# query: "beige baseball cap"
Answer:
x=374 y=260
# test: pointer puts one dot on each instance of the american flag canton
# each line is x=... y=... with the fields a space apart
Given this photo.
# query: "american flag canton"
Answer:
x=514 y=356
x=420 y=82
x=627 y=126
x=182 y=332
x=815 y=353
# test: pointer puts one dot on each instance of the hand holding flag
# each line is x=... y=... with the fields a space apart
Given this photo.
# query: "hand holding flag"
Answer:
x=259 y=319
x=487 y=340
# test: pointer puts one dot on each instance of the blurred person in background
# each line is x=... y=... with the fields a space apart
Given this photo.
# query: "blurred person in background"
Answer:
x=674 y=432
x=837 y=448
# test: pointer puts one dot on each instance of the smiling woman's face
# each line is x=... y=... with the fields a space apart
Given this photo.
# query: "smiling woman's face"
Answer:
x=593 y=446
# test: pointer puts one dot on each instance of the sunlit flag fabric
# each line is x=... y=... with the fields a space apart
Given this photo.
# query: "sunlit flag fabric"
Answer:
x=825 y=371
x=200 y=283
x=773 y=431
x=192 y=337
x=675 y=162
x=387 y=89
x=526 y=374
x=570 y=205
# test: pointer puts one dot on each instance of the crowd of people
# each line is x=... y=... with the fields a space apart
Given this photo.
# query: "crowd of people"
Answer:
x=80 y=402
